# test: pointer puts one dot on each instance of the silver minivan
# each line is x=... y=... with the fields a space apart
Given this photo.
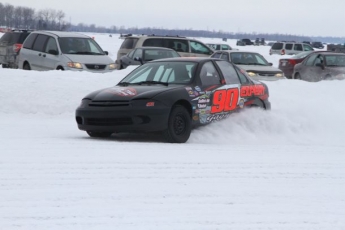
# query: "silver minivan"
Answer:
x=56 y=50
x=289 y=48
x=186 y=47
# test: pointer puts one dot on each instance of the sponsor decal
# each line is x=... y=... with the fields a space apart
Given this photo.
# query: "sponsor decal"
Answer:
x=197 y=88
x=250 y=90
x=126 y=92
x=203 y=100
x=217 y=117
x=202 y=106
x=225 y=100
x=149 y=104
x=196 y=117
x=188 y=88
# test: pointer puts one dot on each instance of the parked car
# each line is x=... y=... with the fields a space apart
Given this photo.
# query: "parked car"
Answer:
x=260 y=42
x=141 y=55
x=56 y=50
x=307 y=42
x=256 y=66
x=186 y=47
x=287 y=64
x=321 y=66
x=244 y=42
x=170 y=96
x=317 y=45
x=219 y=46
x=10 y=44
x=289 y=48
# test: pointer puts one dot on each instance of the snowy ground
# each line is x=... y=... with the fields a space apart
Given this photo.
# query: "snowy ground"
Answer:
x=281 y=169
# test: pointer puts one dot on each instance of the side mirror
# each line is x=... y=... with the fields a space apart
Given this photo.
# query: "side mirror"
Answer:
x=138 y=59
x=270 y=64
x=106 y=52
x=53 y=52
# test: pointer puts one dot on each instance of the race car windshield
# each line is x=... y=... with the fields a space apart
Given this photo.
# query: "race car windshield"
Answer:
x=162 y=72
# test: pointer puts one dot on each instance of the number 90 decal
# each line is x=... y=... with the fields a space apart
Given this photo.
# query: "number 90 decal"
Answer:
x=225 y=100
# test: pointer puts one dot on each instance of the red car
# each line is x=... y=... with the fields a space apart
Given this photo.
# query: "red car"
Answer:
x=287 y=64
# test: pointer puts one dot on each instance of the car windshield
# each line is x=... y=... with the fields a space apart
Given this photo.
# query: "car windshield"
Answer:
x=244 y=58
x=153 y=54
x=301 y=55
x=75 y=45
x=179 y=72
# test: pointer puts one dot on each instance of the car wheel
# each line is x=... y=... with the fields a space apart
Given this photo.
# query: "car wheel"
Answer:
x=27 y=66
x=98 y=134
x=327 y=77
x=179 y=125
x=4 y=66
x=297 y=76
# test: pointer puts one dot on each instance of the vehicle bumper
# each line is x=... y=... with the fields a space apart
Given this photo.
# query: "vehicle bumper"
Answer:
x=127 y=119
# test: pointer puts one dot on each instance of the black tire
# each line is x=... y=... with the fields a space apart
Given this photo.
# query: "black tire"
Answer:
x=179 y=125
x=297 y=76
x=327 y=77
x=27 y=66
x=98 y=134
x=5 y=66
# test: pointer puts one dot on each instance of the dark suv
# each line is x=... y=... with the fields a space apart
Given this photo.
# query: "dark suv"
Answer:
x=10 y=44
x=244 y=42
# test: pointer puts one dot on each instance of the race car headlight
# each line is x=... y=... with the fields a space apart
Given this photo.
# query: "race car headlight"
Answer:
x=251 y=74
x=76 y=65
x=279 y=75
x=112 y=66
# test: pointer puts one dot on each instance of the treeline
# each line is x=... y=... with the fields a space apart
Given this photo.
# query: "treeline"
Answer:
x=51 y=19
x=19 y=17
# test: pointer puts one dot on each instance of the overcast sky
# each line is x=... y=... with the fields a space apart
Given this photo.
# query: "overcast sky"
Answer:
x=298 y=17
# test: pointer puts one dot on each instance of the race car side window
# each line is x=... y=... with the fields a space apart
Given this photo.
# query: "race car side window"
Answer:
x=229 y=72
x=209 y=75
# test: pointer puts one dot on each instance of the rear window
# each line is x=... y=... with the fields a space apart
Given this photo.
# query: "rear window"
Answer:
x=129 y=43
x=277 y=46
x=30 y=41
x=12 y=38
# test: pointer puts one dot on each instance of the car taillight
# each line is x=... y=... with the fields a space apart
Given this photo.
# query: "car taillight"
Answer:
x=17 y=47
x=292 y=62
x=283 y=52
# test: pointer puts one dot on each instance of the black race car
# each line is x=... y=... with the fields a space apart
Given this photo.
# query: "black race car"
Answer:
x=172 y=96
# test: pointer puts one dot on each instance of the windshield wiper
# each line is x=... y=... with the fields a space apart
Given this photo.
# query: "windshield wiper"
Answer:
x=152 y=82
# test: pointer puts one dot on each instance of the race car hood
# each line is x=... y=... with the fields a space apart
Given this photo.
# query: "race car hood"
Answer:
x=126 y=93
x=260 y=68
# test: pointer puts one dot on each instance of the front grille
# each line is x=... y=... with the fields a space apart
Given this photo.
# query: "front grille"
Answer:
x=267 y=74
x=109 y=103
x=95 y=66
x=109 y=121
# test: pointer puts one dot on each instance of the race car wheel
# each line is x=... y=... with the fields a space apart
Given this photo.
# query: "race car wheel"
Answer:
x=27 y=66
x=179 y=125
x=98 y=134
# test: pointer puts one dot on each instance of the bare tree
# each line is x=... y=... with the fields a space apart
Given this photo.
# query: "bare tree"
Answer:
x=2 y=14
x=9 y=15
x=28 y=17
x=18 y=17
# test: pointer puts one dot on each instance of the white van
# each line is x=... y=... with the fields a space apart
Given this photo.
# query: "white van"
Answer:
x=56 y=50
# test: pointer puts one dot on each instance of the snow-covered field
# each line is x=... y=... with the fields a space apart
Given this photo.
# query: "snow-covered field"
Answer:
x=279 y=169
